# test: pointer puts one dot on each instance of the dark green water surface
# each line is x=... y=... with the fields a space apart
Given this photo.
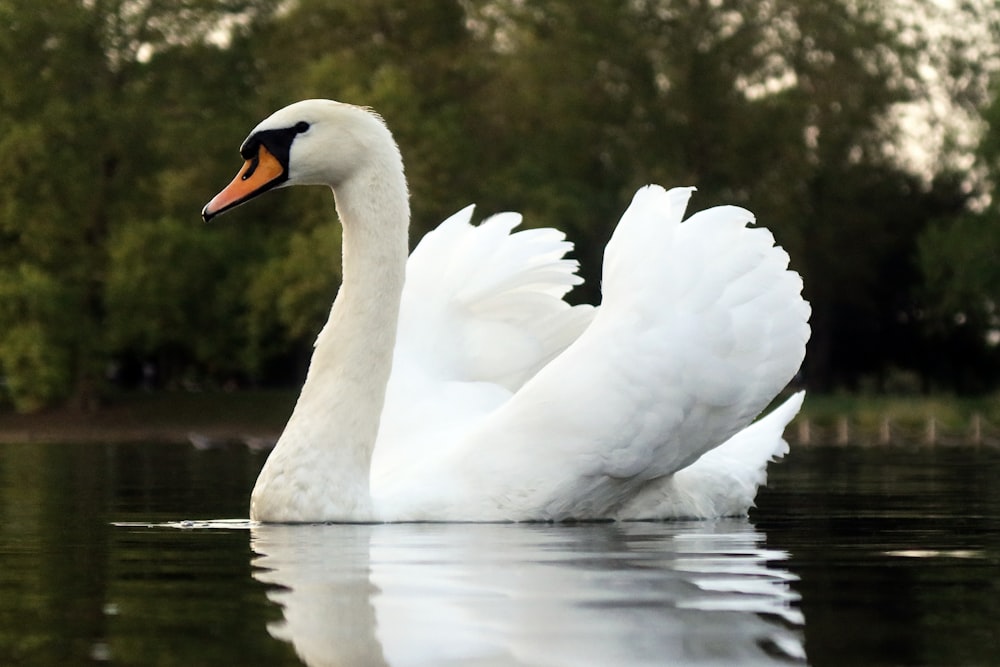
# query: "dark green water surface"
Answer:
x=114 y=554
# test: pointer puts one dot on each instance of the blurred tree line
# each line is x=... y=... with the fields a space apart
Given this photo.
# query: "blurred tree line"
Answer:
x=865 y=134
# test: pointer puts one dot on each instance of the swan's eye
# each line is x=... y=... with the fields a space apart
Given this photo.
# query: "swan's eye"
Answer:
x=254 y=162
x=301 y=127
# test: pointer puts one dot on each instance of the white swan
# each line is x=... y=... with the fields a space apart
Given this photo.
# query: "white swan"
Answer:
x=459 y=386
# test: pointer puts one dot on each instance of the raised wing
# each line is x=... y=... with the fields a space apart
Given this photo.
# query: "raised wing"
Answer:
x=484 y=304
x=482 y=311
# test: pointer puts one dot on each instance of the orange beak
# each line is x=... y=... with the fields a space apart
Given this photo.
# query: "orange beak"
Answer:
x=259 y=174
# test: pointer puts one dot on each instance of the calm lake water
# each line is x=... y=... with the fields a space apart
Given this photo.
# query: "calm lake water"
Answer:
x=115 y=554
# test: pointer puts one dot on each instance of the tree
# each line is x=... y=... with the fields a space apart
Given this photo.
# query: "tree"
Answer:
x=415 y=63
x=80 y=90
x=784 y=107
x=959 y=257
x=121 y=117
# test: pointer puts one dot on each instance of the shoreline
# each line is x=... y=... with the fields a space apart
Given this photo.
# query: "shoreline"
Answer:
x=167 y=436
x=251 y=416
x=256 y=417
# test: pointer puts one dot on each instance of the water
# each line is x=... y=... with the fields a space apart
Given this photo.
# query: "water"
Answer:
x=854 y=556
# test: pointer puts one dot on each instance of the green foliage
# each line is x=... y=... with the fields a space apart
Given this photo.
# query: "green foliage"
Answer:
x=87 y=137
x=960 y=258
x=959 y=290
x=120 y=119
x=169 y=284
x=960 y=294
x=290 y=294
x=34 y=345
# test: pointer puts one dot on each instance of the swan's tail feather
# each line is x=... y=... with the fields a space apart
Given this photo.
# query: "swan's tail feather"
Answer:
x=724 y=481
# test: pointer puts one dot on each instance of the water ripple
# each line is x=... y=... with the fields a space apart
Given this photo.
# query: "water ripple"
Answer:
x=509 y=594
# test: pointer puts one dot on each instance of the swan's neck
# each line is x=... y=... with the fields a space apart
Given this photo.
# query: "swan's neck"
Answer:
x=325 y=451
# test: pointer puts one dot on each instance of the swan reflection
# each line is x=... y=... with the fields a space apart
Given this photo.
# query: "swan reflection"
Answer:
x=538 y=594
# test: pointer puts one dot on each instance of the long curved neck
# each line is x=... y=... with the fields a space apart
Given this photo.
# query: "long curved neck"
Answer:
x=331 y=434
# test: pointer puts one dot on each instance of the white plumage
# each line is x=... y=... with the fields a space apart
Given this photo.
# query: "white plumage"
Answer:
x=458 y=385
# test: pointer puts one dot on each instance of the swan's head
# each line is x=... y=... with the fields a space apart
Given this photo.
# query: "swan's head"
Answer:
x=313 y=142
